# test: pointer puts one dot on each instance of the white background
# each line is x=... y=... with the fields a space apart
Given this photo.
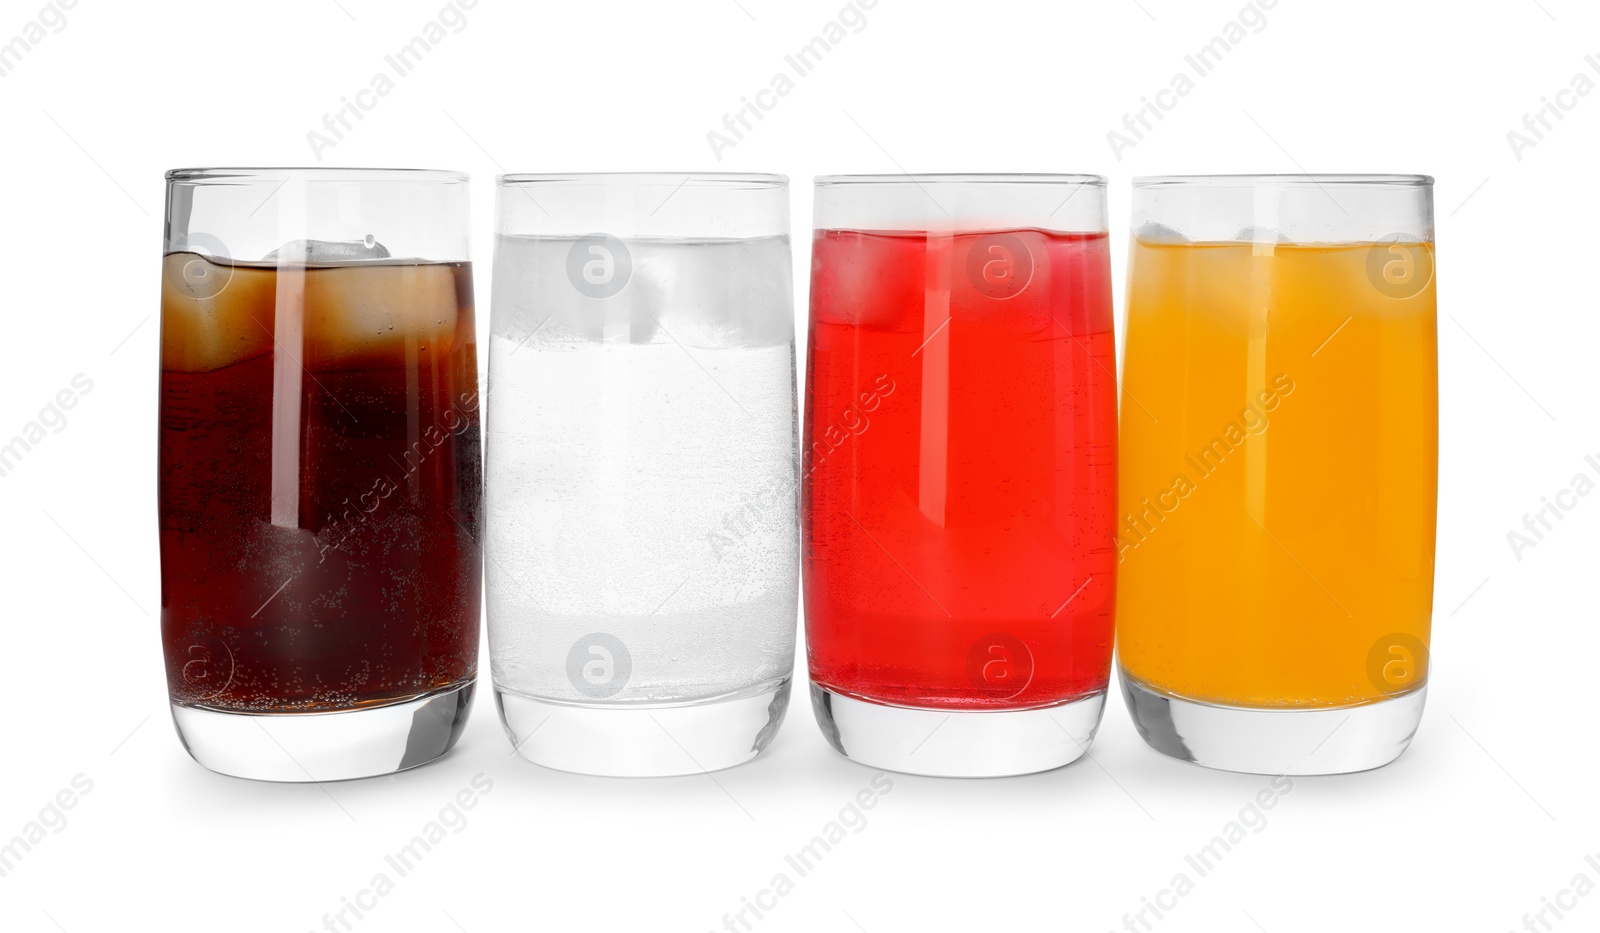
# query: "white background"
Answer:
x=1492 y=810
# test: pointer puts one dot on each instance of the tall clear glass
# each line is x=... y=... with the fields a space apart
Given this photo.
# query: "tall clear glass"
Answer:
x=642 y=573
x=319 y=469
x=1279 y=469
x=960 y=470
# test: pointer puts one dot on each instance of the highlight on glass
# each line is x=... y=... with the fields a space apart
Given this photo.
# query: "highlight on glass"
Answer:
x=1279 y=454
x=959 y=470
x=643 y=566
x=319 y=484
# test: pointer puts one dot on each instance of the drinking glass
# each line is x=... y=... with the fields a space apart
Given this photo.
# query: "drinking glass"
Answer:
x=319 y=469
x=959 y=470
x=1279 y=469
x=641 y=468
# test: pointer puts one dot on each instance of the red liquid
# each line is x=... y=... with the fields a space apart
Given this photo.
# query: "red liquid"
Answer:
x=319 y=484
x=960 y=468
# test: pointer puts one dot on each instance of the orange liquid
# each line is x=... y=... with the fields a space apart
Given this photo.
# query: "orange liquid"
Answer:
x=1279 y=472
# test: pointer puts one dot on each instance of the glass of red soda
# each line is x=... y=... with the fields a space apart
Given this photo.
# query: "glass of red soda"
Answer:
x=959 y=464
x=320 y=469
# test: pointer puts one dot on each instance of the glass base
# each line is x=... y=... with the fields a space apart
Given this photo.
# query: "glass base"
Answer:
x=1275 y=741
x=316 y=747
x=643 y=740
x=957 y=743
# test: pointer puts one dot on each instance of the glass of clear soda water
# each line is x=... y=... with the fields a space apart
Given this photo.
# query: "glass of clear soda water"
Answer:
x=641 y=462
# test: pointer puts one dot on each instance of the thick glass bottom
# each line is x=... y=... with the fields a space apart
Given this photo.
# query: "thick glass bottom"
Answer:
x=957 y=743
x=1275 y=741
x=638 y=740
x=316 y=747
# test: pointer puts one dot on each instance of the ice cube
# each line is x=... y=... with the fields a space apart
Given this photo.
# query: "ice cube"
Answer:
x=320 y=251
x=850 y=284
x=1160 y=234
x=378 y=314
x=715 y=294
x=1261 y=235
x=213 y=313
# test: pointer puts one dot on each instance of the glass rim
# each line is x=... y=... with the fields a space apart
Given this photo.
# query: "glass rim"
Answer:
x=316 y=174
x=1336 y=180
x=962 y=178
x=645 y=179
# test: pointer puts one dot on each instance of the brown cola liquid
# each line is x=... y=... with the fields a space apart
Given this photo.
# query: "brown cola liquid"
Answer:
x=320 y=483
